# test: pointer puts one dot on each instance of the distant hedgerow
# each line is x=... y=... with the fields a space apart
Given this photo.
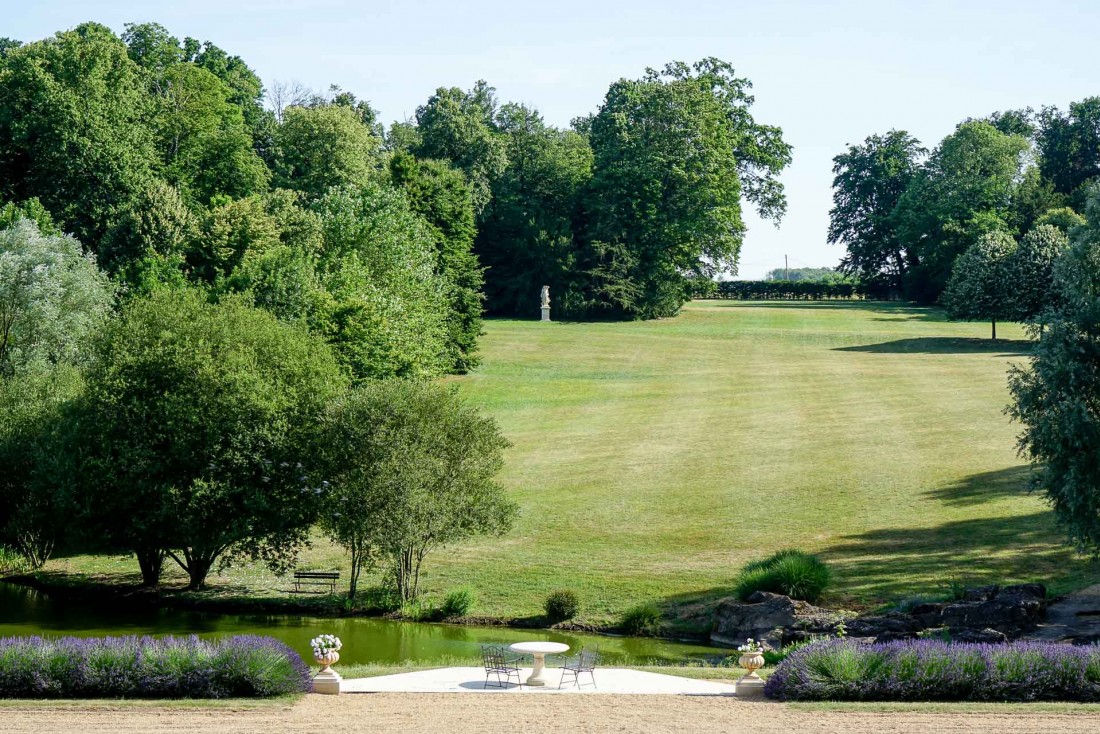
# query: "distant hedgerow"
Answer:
x=147 y=667
x=791 y=572
x=934 y=670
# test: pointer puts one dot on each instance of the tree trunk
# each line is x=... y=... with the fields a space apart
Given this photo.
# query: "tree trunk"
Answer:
x=994 y=329
x=151 y=561
x=197 y=571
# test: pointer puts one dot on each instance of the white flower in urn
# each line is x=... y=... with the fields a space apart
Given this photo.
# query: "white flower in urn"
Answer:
x=326 y=651
x=750 y=645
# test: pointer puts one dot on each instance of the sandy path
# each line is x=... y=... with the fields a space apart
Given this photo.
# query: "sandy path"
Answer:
x=474 y=714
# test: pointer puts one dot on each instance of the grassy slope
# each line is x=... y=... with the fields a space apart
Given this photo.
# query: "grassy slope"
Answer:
x=652 y=459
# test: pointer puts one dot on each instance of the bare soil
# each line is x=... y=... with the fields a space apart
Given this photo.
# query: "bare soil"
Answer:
x=486 y=714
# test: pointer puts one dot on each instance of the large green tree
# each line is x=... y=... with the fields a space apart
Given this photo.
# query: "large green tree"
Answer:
x=52 y=297
x=1057 y=396
x=964 y=191
x=317 y=148
x=442 y=197
x=868 y=181
x=1069 y=148
x=74 y=132
x=193 y=428
x=1034 y=290
x=526 y=238
x=674 y=154
x=457 y=126
x=411 y=468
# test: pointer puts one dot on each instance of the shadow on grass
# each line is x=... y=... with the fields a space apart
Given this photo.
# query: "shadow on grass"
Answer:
x=985 y=487
x=882 y=565
x=945 y=345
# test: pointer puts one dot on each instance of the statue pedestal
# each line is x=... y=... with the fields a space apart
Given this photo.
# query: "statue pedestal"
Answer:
x=327 y=683
x=749 y=686
x=545 y=313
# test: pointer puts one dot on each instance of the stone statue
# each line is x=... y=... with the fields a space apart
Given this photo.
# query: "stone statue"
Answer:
x=545 y=295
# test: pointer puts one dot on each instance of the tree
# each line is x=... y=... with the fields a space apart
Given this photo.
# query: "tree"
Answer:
x=1056 y=397
x=231 y=232
x=457 y=126
x=964 y=191
x=440 y=195
x=378 y=263
x=868 y=182
x=36 y=502
x=321 y=147
x=31 y=209
x=73 y=128
x=52 y=297
x=527 y=234
x=157 y=223
x=411 y=468
x=1069 y=148
x=1031 y=269
x=1063 y=218
x=982 y=284
x=193 y=431
x=674 y=153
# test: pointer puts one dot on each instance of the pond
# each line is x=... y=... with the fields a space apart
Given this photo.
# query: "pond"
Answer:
x=27 y=612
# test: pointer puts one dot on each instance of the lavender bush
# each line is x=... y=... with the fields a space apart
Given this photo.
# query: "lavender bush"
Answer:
x=933 y=670
x=148 y=667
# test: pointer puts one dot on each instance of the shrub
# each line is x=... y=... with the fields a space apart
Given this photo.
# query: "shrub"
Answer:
x=934 y=670
x=792 y=572
x=458 y=603
x=561 y=605
x=146 y=667
x=640 y=619
x=12 y=562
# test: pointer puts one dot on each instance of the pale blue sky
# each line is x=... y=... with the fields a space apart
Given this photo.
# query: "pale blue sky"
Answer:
x=827 y=73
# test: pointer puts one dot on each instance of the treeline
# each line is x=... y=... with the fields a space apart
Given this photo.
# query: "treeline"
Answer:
x=171 y=163
x=798 y=290
x=906 y=214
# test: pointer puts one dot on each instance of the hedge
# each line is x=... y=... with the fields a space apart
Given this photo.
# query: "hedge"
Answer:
x=933 y=670
x=799 y=290
x=146 y=667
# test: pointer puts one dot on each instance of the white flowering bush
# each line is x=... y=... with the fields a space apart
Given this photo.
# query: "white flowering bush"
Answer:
x=324 y=644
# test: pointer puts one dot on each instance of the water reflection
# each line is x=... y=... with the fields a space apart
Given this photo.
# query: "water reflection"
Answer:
x=28 y=612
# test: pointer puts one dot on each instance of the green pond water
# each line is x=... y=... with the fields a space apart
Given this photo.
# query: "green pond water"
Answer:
x=27 y=612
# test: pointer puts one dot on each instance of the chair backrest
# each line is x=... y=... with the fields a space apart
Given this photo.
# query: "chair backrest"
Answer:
x=589 y=659
x=492 y=656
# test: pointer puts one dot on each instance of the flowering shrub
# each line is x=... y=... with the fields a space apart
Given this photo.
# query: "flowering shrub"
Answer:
x=147 y=667
x=324 y=644
x=934 y=670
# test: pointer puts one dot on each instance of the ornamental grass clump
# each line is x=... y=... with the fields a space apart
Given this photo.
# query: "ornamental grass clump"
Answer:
x=790 y=572
x=145 y=667
x=934 y=670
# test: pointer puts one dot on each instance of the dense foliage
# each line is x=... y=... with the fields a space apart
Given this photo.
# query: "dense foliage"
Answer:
x=933 y=670
x=1056 y=397
x=189 y=438
x=561 y=605
x=797 y=290
x=145 y=667
x=410 y=467
x=790 y=572
x=906 y=216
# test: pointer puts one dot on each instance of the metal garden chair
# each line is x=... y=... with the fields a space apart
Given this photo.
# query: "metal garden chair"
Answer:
x=501 y=666
x=584 y=662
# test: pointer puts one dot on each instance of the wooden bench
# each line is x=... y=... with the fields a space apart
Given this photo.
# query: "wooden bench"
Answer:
x=315 y=578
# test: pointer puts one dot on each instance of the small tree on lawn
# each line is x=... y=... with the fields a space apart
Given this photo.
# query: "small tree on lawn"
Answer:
x=411 y=468
x=193 y=424
x=981 y=285
x=1057 y=397
x=1032 y=271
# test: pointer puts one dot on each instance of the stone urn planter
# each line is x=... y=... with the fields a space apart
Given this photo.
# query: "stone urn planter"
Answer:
x=329 y=659
x=326 y=651
x=750 y=685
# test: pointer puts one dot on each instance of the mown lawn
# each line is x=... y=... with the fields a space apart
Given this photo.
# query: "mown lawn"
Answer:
x=652 y=459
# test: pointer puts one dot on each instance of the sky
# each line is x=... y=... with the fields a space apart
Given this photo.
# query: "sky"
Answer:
x=828 y=73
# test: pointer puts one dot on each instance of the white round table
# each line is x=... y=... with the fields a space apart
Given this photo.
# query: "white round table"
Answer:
x=539 y=650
